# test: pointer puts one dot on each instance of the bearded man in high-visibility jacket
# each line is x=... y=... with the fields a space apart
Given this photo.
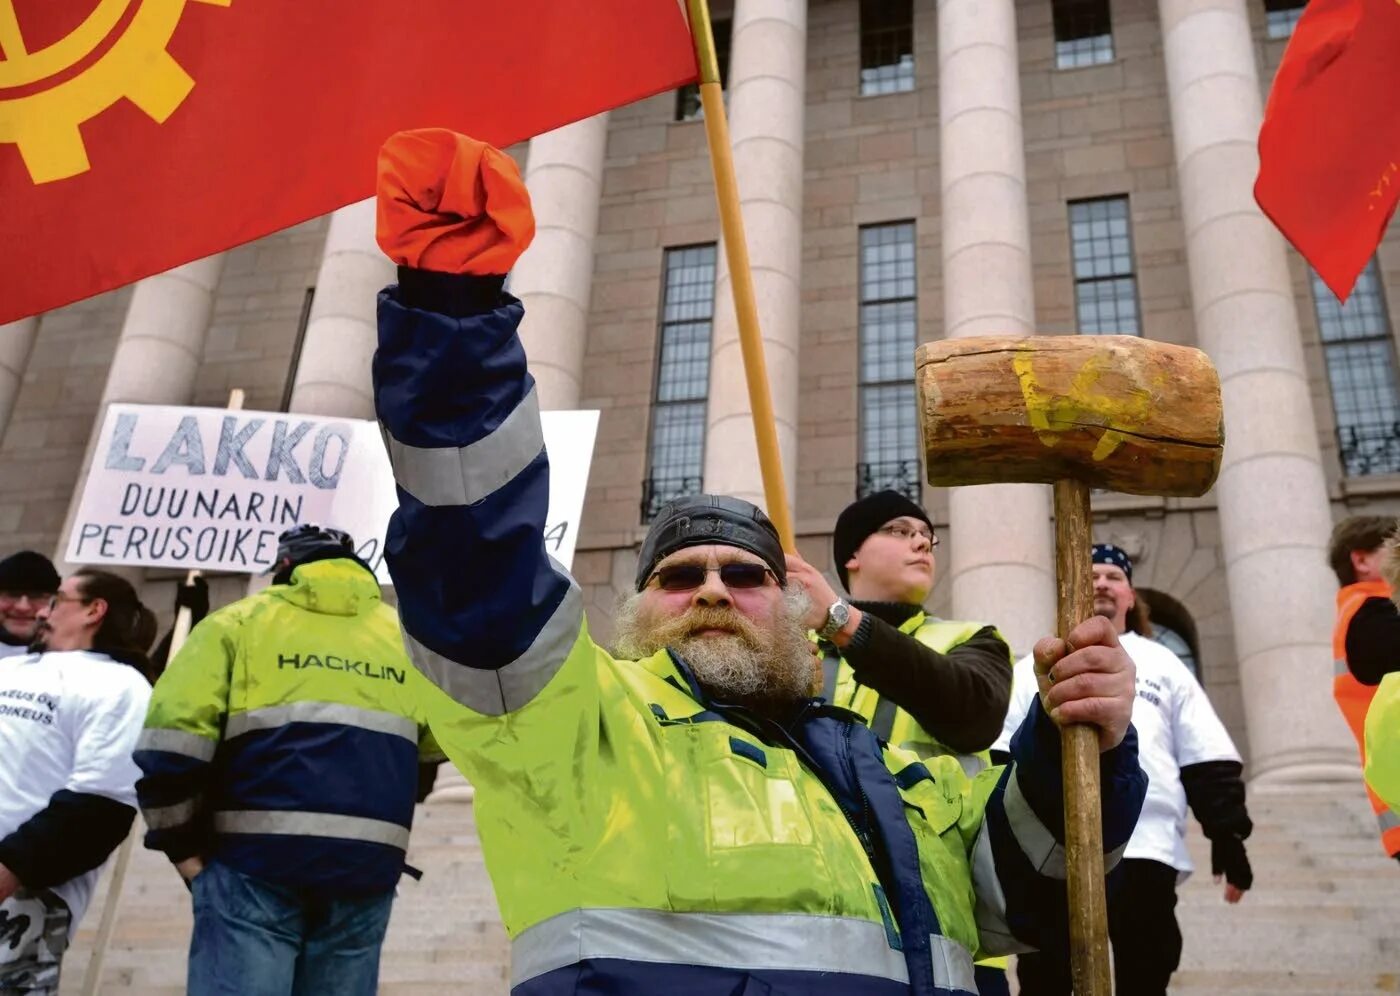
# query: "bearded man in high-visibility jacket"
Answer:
x=684 y=816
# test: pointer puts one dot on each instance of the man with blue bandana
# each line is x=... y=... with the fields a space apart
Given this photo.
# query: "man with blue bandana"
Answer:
x=1189 y=760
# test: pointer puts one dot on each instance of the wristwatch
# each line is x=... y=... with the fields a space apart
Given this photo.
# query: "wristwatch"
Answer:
x=836 y=617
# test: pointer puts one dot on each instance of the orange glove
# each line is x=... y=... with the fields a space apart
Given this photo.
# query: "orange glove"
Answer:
x=450 y=203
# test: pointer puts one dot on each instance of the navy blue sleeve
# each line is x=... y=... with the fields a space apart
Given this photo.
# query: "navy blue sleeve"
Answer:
x=1019 y=858
x=487 y=615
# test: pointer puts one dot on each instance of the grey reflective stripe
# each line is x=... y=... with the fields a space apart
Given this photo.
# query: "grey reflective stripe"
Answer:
x=990 y=909
x=1388 y=820
x=303 y=824
x=320 y=712
x=971 y=764
x=1037 y=843
x=178 y=742
x=883 y=723
x=495 y=693
x=166 y=817
x=775 y=942
x=952 y=965
x=462 y=475
x=1339 y=666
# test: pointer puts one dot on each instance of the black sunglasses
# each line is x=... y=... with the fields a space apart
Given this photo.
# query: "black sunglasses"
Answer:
x=688 y=577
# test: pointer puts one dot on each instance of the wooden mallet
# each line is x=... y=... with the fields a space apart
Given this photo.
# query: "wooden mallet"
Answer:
x=1077 y=412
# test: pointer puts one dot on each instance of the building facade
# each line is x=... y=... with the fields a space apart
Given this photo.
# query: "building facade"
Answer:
x=910 y=170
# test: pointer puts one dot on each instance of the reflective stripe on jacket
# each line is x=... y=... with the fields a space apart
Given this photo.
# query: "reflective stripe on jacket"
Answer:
x=641 y=837
x=1354 y=698
x=284 y=737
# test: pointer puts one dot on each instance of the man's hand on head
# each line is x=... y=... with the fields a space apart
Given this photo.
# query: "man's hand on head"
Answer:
x=1088 y=678
x=821 y=595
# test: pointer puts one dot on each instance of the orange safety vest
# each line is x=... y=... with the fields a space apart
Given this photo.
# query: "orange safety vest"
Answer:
x=1354 y=698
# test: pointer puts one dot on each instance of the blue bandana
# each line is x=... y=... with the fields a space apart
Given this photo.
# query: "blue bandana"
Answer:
x=1107 y=553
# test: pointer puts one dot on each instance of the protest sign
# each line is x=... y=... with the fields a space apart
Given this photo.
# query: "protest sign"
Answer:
x=211 y=488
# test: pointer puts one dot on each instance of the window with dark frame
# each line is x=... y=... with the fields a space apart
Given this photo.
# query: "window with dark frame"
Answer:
x=1281 y=17
x=1359 y=348
x=676 y=453
x=889 y=432
x=1083 y=33
x=688 y=106
x=886 y=46
x=1105 y=284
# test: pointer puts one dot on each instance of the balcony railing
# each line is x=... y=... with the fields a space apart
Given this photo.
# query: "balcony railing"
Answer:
x=894 y=475
x=657 y=491
x=1370 y=448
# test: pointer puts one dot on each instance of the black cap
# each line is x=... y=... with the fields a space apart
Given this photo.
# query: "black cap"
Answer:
x=307 y=542
x=28 y=571
x=1107 y=553
x=863 y=517
x=699 y=519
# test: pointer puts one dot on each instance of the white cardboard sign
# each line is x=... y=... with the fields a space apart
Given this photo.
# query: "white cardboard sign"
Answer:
x=211 y=488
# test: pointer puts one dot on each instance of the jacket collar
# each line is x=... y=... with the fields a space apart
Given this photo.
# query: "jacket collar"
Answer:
x=337 y=587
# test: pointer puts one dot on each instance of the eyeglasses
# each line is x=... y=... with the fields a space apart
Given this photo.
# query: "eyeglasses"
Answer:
x=37 y=597
x=55 y=599
x=901 y=531
x=688 y=577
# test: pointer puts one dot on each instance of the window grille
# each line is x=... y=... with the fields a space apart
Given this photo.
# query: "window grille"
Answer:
x=889 y=434
x=1105 y=284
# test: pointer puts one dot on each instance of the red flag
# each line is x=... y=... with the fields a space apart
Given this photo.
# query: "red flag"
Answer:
x=136 y=135
x=1329 y=151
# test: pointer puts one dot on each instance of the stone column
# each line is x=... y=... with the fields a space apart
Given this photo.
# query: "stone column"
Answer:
x=1001 y=564
x=554 y=277
x=767 y=87
x=342 y=331
x=1272 y=494
x=158 y=354
x=333 y=374
x=16 y=342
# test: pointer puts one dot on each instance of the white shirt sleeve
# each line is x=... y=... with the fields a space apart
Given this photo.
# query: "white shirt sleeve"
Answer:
x=1023 y=692
x=108 y=725
x=1199 y=734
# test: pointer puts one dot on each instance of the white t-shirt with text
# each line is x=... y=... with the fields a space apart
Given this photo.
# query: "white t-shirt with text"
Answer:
x=1176 y=727
x=68 y=720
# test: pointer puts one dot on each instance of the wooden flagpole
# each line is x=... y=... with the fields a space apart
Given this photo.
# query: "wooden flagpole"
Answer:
x=736 y=249
x=92 y=977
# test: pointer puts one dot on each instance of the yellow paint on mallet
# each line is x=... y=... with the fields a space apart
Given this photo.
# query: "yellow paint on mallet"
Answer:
x=1083 y=405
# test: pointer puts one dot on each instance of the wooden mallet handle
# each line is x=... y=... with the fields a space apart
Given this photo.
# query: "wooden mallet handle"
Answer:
x=1079 y=746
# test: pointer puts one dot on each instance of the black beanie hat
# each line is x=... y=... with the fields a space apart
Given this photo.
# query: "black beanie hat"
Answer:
x=699 y=519
x=28 y=571
x=863 y=517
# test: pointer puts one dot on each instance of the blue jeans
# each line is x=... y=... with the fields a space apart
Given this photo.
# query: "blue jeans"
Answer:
x=255 y=938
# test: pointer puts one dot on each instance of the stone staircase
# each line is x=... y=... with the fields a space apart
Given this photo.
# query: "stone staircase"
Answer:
x=1323 y=918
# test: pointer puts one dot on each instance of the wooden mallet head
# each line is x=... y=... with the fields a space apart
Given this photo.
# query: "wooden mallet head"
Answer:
x=1111 y=411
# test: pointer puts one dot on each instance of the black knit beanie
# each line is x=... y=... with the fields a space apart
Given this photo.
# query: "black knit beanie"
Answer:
x=863 y=517
x=28 y=571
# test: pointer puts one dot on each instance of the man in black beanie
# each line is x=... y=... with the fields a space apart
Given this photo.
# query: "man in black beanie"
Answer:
x=933 y=686
x=27 y=582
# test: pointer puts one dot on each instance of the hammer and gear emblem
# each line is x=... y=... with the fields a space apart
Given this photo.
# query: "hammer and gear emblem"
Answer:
x=116 y=52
